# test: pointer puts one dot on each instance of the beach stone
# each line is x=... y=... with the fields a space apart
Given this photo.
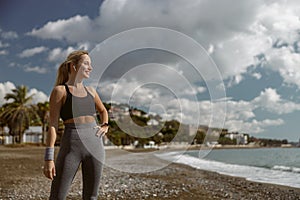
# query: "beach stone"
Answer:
x=21 y=178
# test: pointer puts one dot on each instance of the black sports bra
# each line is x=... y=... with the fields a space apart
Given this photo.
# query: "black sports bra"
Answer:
x=77 y=106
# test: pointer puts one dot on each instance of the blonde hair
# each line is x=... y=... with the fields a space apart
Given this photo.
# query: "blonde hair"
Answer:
x=64 y=68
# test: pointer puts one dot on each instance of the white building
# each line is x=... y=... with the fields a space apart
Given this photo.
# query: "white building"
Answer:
x=150 y=145
x=240 y=137
x=32 y=135
x=152 y=122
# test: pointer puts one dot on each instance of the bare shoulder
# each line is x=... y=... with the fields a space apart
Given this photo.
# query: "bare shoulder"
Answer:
x=58 y=91
x=91 y=90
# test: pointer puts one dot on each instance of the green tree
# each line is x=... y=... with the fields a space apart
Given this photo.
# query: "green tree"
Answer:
x=2 y=124
x=43 y=112
x=200 y=137
x=18 y=113
x=226 y=141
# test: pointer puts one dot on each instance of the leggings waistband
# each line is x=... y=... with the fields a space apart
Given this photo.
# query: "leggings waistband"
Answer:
x=80 y=125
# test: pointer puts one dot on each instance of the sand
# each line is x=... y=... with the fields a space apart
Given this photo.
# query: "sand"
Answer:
x=22 y=178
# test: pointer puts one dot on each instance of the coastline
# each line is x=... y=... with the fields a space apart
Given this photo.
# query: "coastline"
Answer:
x=22 y=178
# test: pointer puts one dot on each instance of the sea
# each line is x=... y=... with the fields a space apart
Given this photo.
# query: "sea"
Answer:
x=279 y=166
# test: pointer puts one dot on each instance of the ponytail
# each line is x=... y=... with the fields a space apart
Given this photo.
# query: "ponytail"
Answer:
x=62 y=74
x=63 y=70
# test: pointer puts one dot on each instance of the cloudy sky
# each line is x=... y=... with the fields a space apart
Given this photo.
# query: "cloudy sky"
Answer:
x=202 y=55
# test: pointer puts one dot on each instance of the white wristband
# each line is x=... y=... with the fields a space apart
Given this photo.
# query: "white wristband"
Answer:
x=49 y=153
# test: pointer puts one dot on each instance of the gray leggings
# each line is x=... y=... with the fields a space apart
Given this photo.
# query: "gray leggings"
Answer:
x=79 y=144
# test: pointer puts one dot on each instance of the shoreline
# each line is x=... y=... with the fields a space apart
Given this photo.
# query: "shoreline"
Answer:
x=165 y=148
x=196 y=147
x=22 y=178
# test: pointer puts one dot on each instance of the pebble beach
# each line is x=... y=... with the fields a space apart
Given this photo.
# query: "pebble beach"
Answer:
x=22 y=178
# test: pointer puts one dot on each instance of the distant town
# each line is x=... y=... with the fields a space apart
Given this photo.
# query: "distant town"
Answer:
x=178 y=133
x=132 y=128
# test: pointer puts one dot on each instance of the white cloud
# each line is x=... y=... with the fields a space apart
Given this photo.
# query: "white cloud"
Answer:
x=239 y=110
x=236 y=54
x=8 y=34
x=286 y=62
x=235 y=80
x=56 y=54
x=201 y=89
x=271 y=101
x=269 y=122
x=233 y=42
x=12 y=64
x=233 y=33
x=4 y=45
x=253 y=126
x=240 y=115
x=73 y=29
x=6 y=87
x=257 y=75
x=84 y=45
x=3 y=52
x=33 y=51
x=38 y=96
x=269 y=96
x=29 y=68
x=59 y=54
x=37 y=69
x=210 y=49
x=280 y=20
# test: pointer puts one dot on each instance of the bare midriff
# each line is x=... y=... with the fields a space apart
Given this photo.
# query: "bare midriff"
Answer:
x=81 y=120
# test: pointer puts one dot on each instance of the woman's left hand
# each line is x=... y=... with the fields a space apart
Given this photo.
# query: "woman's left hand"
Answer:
x=102 y=130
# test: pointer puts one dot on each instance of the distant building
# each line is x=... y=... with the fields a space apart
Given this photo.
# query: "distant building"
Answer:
x=136 y=113
x=152 y=122
x=32 y=135
x=240 y=137
x=118 y=112
x=150 y=145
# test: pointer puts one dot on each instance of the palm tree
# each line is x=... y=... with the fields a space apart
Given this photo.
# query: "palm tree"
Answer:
x=2 y=124
x=43 y=112
x=18 y=113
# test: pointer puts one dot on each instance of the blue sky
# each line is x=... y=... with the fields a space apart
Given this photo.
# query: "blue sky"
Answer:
x=254 y=44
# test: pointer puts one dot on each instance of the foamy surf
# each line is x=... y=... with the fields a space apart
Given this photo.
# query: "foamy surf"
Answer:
x=280 y=175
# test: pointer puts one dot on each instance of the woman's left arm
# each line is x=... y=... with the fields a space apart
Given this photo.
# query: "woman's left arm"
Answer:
x=102 y=111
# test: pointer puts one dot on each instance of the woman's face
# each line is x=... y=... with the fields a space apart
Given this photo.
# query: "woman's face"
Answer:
x=85 y=66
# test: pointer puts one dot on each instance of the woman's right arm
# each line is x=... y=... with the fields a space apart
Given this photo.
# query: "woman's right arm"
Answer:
x=56 y=99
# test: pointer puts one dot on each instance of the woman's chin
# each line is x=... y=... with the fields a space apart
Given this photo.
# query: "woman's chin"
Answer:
x=86 y=76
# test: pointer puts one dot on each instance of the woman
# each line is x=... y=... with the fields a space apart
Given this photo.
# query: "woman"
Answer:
x=75 y=104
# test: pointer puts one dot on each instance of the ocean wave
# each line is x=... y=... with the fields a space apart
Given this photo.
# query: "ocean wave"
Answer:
x=286 y=168
x=281 y=175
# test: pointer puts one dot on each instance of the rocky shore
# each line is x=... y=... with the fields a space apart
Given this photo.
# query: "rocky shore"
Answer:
x=21 y=178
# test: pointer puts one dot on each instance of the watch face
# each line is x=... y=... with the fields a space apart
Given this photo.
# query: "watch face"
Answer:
x=104 y=124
